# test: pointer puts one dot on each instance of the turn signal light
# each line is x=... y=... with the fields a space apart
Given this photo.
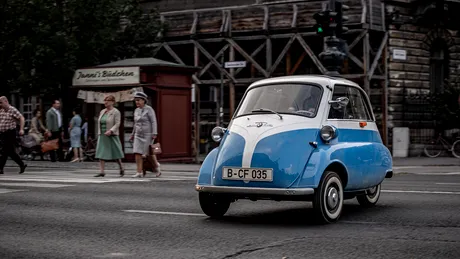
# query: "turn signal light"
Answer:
x=362 y=124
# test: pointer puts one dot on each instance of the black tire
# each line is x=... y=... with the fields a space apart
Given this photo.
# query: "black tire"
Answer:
x=456 y=149
x=433 y=149
x=328 y=198
x=371 y=197
x=213 y=205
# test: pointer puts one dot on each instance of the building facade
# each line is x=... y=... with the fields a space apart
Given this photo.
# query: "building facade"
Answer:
x=396 y=52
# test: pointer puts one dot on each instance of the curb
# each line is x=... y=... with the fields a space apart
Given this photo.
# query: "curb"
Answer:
x=95 y=167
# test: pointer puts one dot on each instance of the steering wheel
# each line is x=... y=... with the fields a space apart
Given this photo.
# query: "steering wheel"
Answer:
x=308 y=113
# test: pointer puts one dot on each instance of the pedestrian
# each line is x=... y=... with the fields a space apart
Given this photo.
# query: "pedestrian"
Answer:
x=9 y=116
x=37 y=129
x=108 y=143
x=144 y=132
x=75 y=135
x=54 y=124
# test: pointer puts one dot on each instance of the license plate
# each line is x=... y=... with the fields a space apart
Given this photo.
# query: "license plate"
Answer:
x=248 y=174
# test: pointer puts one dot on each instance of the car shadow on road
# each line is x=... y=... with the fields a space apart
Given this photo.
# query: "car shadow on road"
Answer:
x=295 y=216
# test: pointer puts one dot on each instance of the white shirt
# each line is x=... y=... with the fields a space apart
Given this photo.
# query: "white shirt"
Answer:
x=59 y=117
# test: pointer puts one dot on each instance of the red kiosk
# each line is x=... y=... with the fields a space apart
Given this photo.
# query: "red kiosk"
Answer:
x=168 y=86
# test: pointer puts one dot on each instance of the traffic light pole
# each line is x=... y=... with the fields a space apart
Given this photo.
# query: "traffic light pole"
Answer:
x=332 y=20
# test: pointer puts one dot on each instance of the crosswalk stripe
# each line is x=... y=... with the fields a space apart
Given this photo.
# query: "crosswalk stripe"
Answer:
x=39 y=185
x=2 y=191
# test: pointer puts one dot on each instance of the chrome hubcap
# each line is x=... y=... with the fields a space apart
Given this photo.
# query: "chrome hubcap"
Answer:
x=332 y=198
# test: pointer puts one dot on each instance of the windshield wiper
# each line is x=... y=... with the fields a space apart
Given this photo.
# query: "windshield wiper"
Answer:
x=267 y=110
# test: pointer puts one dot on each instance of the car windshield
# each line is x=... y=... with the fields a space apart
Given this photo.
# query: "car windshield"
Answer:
x=299 y=99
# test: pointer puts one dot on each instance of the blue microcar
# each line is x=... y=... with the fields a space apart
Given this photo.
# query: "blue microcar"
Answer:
x=297 y=138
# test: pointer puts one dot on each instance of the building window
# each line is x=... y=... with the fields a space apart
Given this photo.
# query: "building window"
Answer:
x=439 y=65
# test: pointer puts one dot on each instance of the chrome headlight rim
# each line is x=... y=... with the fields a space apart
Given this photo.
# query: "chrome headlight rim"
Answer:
x=328 y=133
x=217 y=133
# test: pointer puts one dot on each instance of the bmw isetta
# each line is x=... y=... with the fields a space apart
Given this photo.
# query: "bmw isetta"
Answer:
x=297 y=138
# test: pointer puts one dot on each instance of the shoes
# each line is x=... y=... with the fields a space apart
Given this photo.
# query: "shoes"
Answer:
x=137 y=175
x=1 y=172
x=122 y=172
x=75 y=160
x=158 y=170
x=100 y=175
x=23 y=169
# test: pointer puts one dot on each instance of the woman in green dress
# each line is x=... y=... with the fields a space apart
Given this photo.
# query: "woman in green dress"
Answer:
x=108 y=143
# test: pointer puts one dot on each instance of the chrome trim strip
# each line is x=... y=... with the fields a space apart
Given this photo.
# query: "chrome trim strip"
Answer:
x=255 y=190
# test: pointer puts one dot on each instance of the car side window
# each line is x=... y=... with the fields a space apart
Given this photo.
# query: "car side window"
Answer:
x=356 y=108
x=358 y=105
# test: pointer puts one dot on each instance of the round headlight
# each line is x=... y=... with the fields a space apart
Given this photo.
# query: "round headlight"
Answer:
x=217 y=134
x=328 y=133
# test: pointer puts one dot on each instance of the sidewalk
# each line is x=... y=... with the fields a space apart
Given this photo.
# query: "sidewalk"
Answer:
x=172 y=167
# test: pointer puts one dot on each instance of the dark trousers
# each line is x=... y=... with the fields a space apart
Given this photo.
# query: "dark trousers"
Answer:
x=8 y=148
x=59 y=152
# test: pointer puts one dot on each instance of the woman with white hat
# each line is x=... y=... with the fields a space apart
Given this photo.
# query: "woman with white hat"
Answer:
x=144 y=131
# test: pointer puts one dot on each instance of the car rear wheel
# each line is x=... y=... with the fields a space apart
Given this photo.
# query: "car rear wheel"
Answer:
x=328 y=199
x=370 y=197
x=213 y=205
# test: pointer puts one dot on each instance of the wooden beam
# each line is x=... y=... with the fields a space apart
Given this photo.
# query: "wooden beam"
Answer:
x=160 y=32
x=371 y=15
x=179 y=60
x=224 y=21
x=268 y=54
x=195 y=23
x=221 y=52
x=157 y=49
x=297 y=64
x=356 y=60
x=253 y=54
x=213 y=60
x=357 y=39
x=385 y=96
x=378 y=56
x=228 y=23
x=283 y=52
x=363 y=17
x=294 y=16
x=232 y=85
x=366 y=63
x=247 y=57
x=311 y=54
x=196 y=62
x=266 y=17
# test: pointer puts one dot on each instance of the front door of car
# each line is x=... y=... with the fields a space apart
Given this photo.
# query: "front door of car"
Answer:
x=357 y=134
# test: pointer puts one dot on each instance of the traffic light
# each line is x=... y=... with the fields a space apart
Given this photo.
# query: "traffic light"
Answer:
x=341 y=19
x=325 y=22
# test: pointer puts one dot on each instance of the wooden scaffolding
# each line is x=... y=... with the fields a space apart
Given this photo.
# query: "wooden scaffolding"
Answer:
x=275 y=39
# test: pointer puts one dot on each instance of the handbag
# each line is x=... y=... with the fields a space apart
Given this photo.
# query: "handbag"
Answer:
x=50 y=145
x=155 y=149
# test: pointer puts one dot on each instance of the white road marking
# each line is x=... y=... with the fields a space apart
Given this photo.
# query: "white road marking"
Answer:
x=41 y=185
x=451 y=173
x=166 y=213
x=448 y=183
x=2 y=191
x=71 y=180
x=424 y=192
x=112 y=255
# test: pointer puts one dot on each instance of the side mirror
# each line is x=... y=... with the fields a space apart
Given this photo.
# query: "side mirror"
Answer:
x=340 y=102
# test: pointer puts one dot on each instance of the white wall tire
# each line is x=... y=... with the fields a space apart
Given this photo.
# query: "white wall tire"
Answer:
x=370 y=197
x=328 y=199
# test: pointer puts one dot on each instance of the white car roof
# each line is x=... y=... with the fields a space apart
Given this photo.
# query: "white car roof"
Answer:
x=319 y=79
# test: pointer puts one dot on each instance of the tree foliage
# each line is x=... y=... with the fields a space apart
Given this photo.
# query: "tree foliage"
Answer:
x=42 y=42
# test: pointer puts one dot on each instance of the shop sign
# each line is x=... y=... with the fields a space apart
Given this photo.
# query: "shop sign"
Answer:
x=106 y=76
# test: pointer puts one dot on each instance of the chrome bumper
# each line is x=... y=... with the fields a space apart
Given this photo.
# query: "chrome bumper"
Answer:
x=255 y=190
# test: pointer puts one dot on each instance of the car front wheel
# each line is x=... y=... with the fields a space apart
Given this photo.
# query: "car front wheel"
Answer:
x=328 y=199
x=370 y=196
x=213 y=205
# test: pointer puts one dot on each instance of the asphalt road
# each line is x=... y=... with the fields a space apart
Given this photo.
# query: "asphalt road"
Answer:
x=70 y=214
